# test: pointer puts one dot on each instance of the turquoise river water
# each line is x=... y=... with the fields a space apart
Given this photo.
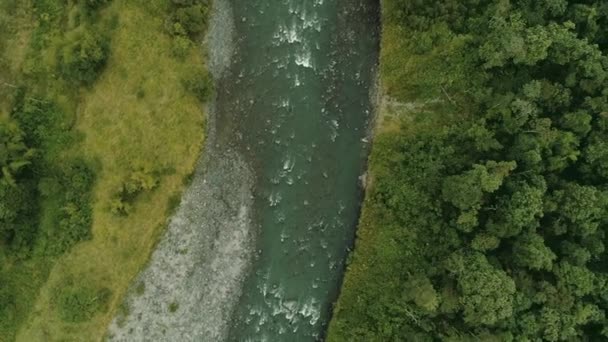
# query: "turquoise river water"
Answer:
x=296 y=103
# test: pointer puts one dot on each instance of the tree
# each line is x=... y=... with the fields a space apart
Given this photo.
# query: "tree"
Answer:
x=529 y=250
x=84 y=55
x=504 y=221
x=465 y=191
x=581 y=208
x=487 y=293
x=578 y=280
x=421 y=291
x=521 y=208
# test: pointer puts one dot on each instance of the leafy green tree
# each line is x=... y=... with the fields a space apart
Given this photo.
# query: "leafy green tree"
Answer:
x=575 y=254
x=421 y=291
x=520 y=209
x=465 y=191
x=485 y=242
x=487 y=292
x=510 y=40
x=580 y=208
x=578 y=280
x=84 y=55
x=530 y=251
x=14 y=204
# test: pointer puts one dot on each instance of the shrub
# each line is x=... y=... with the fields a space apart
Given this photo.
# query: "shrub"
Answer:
x=192 y=18
x=80 y=303
x=7 y=303
x=74 y=219
x=14 y=154
x=199 y=83
x=181 y=46
x=138 y=182
x=84 y=55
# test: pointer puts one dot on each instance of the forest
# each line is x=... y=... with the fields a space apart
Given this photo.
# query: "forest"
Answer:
x=487 y=217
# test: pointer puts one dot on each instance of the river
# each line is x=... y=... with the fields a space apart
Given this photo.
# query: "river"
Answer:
x=281 y=181
x=300 y=92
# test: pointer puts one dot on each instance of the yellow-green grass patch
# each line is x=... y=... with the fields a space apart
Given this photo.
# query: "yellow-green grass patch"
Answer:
x=136 y=114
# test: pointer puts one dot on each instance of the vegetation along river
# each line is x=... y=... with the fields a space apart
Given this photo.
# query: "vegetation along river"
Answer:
x=280 y=180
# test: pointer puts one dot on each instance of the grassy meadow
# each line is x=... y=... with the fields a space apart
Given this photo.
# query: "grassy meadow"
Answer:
x=137 y=115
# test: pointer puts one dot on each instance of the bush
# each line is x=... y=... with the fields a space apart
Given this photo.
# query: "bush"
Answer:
x=74 y=218
x=192 y=18
x=14 y=154
x=7 y=304
x=67 y=181
x=181 y=46
x=199 y=83
x=45 y=129
x=84 y=55
x=140 y=181
x=80 y=303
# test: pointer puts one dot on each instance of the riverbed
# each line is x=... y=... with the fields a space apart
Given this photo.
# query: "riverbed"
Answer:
x=256 y=250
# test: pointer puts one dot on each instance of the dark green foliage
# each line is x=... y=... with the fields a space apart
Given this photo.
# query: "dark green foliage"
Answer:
x=84 y=55
x=187 y=22
x=173 y=307
x=140 y=181
x=15 y=192
x=74 y=186
x=490 y=223
x=191 y=18
x=486 y=292
x=17 y=195
x=95 y=4
x=199 y=83
x=29 y=234
x=80 y=303
x=73 y=34
x=45 y=127
x=7 y=304
x=44 y=173
x=14 y=154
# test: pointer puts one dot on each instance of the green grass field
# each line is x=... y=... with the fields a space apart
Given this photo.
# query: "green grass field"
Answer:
x=136 y=115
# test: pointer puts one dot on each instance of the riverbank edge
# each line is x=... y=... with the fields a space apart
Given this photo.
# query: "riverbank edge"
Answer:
x=215 y=211
x=377 y=103
x=379 y=99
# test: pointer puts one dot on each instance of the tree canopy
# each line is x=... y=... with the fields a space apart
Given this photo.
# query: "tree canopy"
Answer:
x=490 y=209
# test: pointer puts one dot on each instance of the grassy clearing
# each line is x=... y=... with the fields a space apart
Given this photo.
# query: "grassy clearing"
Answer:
x=137 y=114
